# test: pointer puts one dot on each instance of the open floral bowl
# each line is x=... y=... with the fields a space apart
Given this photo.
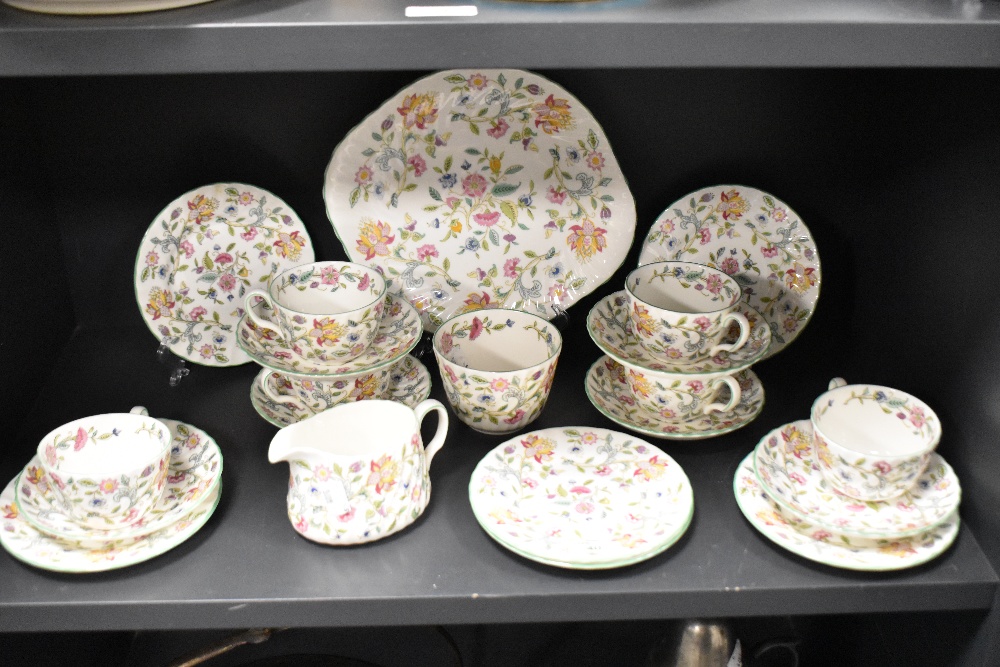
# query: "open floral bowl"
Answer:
x=497 y=367
x=107 y=470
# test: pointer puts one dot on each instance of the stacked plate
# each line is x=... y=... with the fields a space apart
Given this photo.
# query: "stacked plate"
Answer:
x=790 y=502
x=37 y=529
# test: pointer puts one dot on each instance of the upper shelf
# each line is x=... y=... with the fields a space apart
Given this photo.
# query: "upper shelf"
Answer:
x=331 y=35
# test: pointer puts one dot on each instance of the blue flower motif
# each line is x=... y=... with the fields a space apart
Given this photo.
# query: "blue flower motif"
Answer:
x=219 y=339
x=353 y=337
x=379 y=190
x=525 y=200
x=466 y=165
x=573 y=155
x=448 y=180
x=509 y=323
x=880 y=396
x=471 y=244
x=555 y=270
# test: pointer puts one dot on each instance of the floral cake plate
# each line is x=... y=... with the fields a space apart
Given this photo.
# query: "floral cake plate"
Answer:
x=581 y=498
x=609 y=327
x=398 y=333
x=482 y=189
x=409 y=384
x=203 y=252
x=754 y=237
x=195 y=470
x=608 y=390
x=87 y=7
x=807 y=540
x=795 y=482
x=34 y=547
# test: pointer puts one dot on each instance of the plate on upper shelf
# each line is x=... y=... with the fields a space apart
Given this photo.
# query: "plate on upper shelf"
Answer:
x=754 y=237
x=482 y=188
x=87 y=7
x=581 y=498
x=203 y=252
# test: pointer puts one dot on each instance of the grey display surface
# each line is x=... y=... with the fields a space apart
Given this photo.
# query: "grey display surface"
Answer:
x=320 y=35
x=248 y=567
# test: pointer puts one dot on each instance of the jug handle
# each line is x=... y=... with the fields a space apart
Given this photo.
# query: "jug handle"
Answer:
x=431 y=448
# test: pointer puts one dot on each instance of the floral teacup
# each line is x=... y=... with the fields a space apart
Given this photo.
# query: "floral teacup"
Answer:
x=681 y=397
x=326 y=312
x=312 y=394
x=107 y=470
x=497 y=367
x=872 y=442
x=680 y=312
x=359 y=471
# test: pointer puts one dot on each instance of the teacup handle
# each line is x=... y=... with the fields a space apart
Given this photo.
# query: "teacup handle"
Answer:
x=734 y=389
x=432 y=447
x=741 y=319
x=836 y=383
x=265 y=386
x=260 y=320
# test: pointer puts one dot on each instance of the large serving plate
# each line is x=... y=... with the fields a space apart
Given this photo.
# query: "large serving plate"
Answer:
x=85 y=7
x=202 y=254
x=581 y=498
x=481 y=189
x=752 y=236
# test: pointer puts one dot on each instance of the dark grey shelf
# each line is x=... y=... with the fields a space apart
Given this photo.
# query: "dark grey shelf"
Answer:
x=249 y=568
x=325 y=35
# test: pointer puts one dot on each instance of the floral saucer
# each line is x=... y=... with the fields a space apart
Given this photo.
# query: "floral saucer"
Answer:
x=482 y=189
x=581 y=498
x=195 y=470
x=34 y=547
x=608 y=390
x=796 y=484
x=398 y=333
x=813 y=543
x=409 y=384
x=608 y=325
x=203 y=252
x=754 y=237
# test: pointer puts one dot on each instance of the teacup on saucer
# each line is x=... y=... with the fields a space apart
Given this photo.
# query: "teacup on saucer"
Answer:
x=609 y=327
x=397 y=334
x=194 y=471
x=785 y=462
x=409 y=384
x=608 y=389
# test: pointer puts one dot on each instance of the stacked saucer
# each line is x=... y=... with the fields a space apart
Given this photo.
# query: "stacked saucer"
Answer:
x=654 y=390
x=312 y=362
x=789 y=488
x=55 y=519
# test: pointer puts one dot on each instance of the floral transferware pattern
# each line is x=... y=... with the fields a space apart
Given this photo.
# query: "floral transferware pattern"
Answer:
x=817 y=544
x=28 y=544
x=786 y=466
x=583 y=498
x=75 y=460
x=609 y=327
x=325 y=333
x=684 y=337
x=380 y=495
x=203 y=252
x=482 y=189
x=875 y=476
x=409 y=384
x=194 y=470
x=752 y=236
x=496 y=402
x=608 y=389
x=397 y=334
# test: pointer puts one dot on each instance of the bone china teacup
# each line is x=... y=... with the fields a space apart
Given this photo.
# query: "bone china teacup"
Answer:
x=681 y=311
x=359 y=471
x=497 y=367
x=107 y=470
x=678 y=397
x=312 y=394
x=872 y=442
x=326 y=312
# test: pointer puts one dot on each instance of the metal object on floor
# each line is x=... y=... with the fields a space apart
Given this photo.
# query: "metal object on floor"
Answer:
x=697 y=643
